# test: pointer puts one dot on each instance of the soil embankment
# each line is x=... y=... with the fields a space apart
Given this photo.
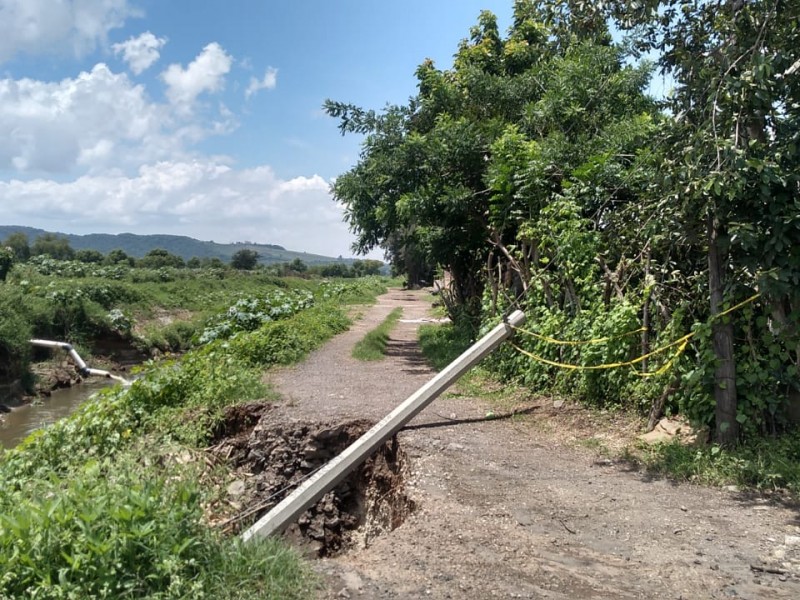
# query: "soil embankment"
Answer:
x=503 y=508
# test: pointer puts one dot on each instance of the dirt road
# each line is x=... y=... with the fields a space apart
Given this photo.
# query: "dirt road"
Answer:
x=505 y=510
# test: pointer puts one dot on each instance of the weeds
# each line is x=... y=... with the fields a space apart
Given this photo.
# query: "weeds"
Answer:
x=762 y=464
x=373 y=345
x=90 y=509
x=442 y=344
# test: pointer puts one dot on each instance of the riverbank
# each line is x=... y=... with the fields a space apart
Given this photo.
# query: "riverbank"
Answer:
x=130 y=469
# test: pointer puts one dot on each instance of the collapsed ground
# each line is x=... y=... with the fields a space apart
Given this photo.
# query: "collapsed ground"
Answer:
x=465 y=507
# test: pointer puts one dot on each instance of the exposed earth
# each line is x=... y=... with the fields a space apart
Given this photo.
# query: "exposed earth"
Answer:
x=508 y=507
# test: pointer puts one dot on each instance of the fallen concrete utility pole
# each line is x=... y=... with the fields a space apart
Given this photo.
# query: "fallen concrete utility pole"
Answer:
x=333 y=473
x=76 y=358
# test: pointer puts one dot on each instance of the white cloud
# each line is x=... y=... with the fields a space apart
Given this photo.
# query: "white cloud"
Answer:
x=205 y=199
x=206 y=73
x=48 y=27
x=140 y=52
x=95 y=121
x=267 y=82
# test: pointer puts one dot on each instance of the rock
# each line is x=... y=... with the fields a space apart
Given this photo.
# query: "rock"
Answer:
x=791 y=540
x=558 y=403
x=352 y=581
x=236 y=488
x=670 y=429
x=655 y=437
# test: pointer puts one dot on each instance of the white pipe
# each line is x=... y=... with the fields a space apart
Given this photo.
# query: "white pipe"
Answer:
x=82 y=368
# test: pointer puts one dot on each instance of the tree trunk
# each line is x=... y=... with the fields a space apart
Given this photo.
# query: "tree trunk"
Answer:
x=727 y=427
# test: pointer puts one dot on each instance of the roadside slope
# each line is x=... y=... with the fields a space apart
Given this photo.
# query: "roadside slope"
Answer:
x=505 y=511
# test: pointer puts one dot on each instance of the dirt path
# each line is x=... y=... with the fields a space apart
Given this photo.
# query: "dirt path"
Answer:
x=505 y=510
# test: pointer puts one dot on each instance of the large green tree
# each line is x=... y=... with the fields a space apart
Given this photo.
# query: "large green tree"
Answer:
x=457 y=173
x=730 y=175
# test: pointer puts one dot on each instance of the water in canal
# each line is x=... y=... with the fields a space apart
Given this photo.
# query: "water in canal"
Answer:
x=21 y=421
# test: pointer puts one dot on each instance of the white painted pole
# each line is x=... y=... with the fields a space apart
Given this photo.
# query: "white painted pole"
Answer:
x=291 y=507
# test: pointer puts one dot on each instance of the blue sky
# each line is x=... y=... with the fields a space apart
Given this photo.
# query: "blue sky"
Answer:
x=202 y=118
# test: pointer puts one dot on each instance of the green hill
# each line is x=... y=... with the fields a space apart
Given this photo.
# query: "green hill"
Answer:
x=183 y=246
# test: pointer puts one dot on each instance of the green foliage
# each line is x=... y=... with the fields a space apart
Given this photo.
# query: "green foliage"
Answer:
x=760 y=463
x=89 y=509
x=244 y=259
x=52 y=245
x=89 y=256
x=6 y=261
x=18 y=242
x=373 y=345
x=249 y=314
x=159 y=258
x=361 y=291
x=129 y=531
x=15 y=331
x=283 y=342
x=442 y=344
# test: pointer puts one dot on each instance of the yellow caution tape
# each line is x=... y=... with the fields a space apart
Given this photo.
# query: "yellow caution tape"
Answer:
x=667 y=365
x=602 y=340
x=681 y=342
x=737 y=306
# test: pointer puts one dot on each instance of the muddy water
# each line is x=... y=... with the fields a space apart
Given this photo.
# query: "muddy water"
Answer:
x=22 y=421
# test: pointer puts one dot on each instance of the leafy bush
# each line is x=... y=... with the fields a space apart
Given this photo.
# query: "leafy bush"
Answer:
x=125 y=531
x=442 y=344
x=284 y=342
x=249 y=314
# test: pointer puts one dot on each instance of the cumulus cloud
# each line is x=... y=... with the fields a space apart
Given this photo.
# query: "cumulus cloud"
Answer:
x=97 y=120
x=205 y=199
x=140 y=52
x=47 y=27
x=267 y=82
x=206 y=73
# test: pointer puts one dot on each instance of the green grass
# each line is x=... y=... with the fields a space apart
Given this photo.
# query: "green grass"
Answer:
x=762 y=464
x=98 y=506
x=442 y=344
x=373 y=345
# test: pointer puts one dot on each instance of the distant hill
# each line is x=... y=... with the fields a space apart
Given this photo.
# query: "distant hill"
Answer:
x=183 y=246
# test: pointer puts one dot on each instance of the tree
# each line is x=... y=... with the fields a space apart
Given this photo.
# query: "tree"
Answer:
x=18 y=242
x=297 y=266
x=435 y=185
x=54 y=246
x=6 y=261
x=118 y=257
x=245 y=259
x=731 y=171
x=89 y=256
x=158 y=257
